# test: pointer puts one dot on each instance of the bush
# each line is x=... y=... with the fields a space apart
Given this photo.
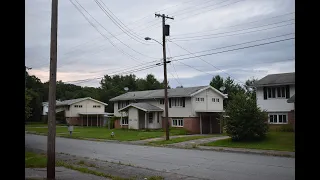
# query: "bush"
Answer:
x=246 y=121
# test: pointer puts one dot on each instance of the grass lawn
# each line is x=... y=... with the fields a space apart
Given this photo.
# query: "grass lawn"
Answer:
x=33 y=160
x=281 y=141
x=180 y=139
x=104 y=133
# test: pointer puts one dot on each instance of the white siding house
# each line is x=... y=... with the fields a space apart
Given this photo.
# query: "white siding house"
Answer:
x=273 y=92
x=82 y=111
x=187 y=106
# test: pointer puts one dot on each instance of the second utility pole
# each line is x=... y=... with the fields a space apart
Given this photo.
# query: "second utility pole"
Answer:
x=166 y=108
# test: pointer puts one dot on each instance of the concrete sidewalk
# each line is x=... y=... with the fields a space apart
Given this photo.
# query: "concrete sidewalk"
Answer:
x=142 y=142
x=61 y=174
x=196 y=142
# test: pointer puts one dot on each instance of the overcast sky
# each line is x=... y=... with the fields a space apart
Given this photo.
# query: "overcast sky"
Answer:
x=115 y=42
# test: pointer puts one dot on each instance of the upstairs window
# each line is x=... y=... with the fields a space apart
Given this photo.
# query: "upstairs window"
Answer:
x=161 y=101
x=277 y=92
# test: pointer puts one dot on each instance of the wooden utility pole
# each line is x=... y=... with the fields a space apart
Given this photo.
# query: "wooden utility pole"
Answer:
x=165 y=71
x=52 y=94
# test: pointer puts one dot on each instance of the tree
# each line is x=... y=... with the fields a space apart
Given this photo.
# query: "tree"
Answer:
x=246 y=121
x=27 y=107
x=217 y=82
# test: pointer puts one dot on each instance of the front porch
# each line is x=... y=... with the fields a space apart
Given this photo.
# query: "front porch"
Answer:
x=209 y=123
x=91 y=119
x=141 y=116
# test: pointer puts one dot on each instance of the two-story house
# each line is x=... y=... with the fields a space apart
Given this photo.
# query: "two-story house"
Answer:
x=192 y=108
x=274 y=94
x=82 y=111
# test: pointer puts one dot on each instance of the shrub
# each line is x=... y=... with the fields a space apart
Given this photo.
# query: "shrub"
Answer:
x=246 y=121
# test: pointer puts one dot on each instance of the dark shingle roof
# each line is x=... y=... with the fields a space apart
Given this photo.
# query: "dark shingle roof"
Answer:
x=144 y=106
x=292 y=99
x=277 y=79
x=150 y=94
x=72 y=101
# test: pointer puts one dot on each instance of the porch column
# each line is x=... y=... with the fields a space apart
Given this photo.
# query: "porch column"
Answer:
x=97 y=120
x=121 y=119
x=81 y=120
x=145 y=120
x=200 y=124
x=210 y=125
x=87 y=121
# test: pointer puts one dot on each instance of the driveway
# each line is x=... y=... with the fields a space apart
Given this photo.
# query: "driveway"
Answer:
x=194 y=163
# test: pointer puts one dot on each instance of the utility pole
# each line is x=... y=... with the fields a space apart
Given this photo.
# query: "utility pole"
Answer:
x=52 y=93
x=165 y=32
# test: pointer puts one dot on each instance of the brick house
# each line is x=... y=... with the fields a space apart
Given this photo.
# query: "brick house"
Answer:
x=274 y=94
x=193 y=108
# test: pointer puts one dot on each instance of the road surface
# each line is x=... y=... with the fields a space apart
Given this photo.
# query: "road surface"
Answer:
x=194 y=163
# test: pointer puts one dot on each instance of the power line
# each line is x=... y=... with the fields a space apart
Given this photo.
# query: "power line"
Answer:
x=113 y=35
x=131 y=35
x=233 y=49
x=204 y=35
x=204 y=60
x=177 y=79
x=248 y=42
x=240 y=24
x=228 y=35
x=131 y=57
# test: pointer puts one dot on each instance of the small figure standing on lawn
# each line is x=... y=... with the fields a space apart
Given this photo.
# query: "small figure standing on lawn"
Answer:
x=70 y=129
x=112 y=134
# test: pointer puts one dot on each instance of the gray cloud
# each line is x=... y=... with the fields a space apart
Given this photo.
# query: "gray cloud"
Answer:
x=83 y=53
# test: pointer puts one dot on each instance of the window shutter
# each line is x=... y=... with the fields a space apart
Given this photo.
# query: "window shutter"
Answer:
x=264 y=92
x=287 y=91
x=118 y=104
x=183 y=102
x=169 y=102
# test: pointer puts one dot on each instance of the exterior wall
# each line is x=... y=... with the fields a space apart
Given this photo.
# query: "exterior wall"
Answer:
x=115 y=110
x=87 y=106
x=274 y=105
x=191 y=124
x=155 y=124
x=118 y=126
x=133 y=118
x=207 y=105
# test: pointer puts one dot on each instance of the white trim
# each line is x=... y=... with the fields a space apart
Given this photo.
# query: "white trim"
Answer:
x=177 y=119
x=138 y=108
x=277 y=115
x=210 y=87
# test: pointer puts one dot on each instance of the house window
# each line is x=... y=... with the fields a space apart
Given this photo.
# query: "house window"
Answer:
x=199 y=99
x=276 y=92
x=161 y=101
x=158 y=118
x=213 y=99
x=96 y=106
x=278 y=118
x=75 y=106
x=124 y=121
x=177 y=122
x=217 y=100
x=177 y=102
x=150 y=117
x=78 y=106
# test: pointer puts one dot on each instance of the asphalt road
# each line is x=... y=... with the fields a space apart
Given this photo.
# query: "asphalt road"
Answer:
x=194 y=163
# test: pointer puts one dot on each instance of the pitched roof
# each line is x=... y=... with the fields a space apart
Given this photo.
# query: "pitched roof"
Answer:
x=72 y=101
x=277 y=79
x=143 y=106
x=292 y=99
x=150 y=94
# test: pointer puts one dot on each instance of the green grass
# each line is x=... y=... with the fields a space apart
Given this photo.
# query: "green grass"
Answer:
x=104 y=133
x=33 y=160
x=180 y=139
x=281 y=141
